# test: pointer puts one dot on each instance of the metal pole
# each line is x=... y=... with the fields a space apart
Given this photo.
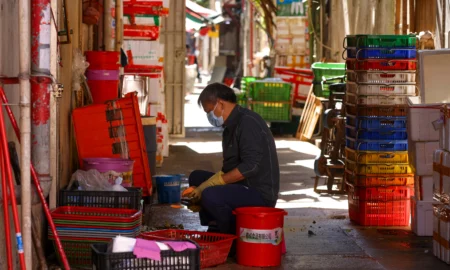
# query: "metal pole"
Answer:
x=8 y=242
x=25 y=149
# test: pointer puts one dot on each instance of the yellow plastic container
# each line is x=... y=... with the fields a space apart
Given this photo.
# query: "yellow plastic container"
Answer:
x=377 y=168
x=377 y=157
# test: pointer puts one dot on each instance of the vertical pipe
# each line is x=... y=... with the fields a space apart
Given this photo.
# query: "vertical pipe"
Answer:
x=119 y=24
x=25 y=137
x=398 y=12
x=109 y=21
x=9 y=257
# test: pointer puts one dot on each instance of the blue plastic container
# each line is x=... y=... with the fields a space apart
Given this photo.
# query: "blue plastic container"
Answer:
x=399 y=134
x=169 y=188
x=382 y=146
x=381 y=53
x=378 y=123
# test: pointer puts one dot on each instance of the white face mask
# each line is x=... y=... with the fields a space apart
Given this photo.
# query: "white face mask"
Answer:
x=213 y=119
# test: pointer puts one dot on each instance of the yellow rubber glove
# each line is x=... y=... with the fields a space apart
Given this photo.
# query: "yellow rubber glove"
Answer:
x=215 y=180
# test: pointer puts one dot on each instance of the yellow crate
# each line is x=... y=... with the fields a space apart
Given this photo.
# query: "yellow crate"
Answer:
x=377 y=168
x=377 y=157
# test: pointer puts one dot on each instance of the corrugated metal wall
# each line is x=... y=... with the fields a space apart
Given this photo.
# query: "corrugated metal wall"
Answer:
x=174 y=39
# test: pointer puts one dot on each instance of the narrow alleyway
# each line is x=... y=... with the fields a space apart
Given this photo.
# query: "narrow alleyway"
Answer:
x=319 y=234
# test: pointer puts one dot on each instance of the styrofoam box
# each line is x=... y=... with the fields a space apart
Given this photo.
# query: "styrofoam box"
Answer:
x=445 y=235
x=436 y=236
x=445 y=135
x=423 y=188
x=145 y=52
x=441 y=157
x=422 y=217
x=421 y=156
x=420 y=120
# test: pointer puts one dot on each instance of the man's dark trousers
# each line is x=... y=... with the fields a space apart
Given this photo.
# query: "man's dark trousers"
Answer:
x=218 y=202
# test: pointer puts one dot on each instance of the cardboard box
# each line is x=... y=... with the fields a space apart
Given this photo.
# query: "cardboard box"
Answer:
x=422 y=217
x=423 y=188
x=421 y=156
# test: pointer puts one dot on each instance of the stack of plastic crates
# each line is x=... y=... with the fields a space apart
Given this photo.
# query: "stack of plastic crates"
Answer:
x=271 y=98
x=380 y=77
x=242 y=97
x=326 y=74
x=80 y=227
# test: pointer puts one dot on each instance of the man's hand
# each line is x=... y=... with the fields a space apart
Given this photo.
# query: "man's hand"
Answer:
x=215 y=180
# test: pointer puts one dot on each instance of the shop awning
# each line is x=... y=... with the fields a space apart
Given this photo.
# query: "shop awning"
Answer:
x=198 y=16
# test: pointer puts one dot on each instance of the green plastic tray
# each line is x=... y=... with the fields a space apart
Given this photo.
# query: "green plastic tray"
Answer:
x=380 y=41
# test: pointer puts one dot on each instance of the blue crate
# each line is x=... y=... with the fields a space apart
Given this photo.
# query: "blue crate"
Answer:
x=399 y=134
x=378 y=123
x=380 y=53
x=382 y=145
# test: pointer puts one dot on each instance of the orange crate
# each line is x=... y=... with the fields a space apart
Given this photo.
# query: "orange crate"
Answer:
x=214 y=247
x=378 y=213
x=376 y=180
x=100 y=128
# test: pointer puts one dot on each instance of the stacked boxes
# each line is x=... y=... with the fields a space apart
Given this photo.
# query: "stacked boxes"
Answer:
x=423 y=140
x=377 y=171
x=441 y=179
x=292 y=42
x=271 y=99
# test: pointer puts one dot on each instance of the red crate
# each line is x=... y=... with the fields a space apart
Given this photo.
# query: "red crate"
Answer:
x=375 y=180
x=381 y=64
x=381 y=193
x=379 y=213
x=98 y=132
x=93 y=214
x=214 y=246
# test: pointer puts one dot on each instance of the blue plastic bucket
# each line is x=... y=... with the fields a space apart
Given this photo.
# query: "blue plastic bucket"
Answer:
x=169 y=188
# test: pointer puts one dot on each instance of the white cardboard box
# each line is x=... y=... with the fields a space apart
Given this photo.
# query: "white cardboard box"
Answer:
x=421 y=156
x=145 y=52
x=420 y=120
x=423 y=188
x=422 y=217
x=441 y=181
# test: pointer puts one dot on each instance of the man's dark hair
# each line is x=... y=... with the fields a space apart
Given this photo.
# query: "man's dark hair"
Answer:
x=214 y=91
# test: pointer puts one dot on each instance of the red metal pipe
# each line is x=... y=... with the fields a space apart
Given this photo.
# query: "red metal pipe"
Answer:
x=9 y=179
x=35 y=179
x=6 y=216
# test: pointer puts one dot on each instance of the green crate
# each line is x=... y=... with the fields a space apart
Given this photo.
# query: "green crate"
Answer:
x=245 y=82
x=241 y=99
x=273 y=111
x=381 y=41
x=327 y=70
x=270 y=91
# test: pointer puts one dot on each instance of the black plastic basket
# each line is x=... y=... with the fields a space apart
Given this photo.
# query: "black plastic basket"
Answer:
x=188 y=259
x=130 y=199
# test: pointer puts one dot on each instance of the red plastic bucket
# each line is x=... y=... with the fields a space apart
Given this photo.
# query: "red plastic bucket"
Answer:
x=102 y=75
x=103 y=91
x=103 y=60
x=260 y=232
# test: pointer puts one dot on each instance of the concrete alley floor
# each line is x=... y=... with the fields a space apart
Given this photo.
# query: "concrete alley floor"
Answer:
x=335 y=242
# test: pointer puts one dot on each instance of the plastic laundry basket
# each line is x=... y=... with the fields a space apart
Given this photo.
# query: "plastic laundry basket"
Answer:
x=260 y=232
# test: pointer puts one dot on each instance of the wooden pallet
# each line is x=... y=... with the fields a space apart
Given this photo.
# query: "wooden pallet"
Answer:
x=310 y=116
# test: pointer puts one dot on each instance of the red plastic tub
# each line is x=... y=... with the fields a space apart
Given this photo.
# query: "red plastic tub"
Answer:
x=102 y=75
x=103 y=60
x=103 y=91
x=260 y=232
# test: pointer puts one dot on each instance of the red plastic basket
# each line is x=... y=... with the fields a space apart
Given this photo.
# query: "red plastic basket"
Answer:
x=378 y=213
x=382 y=193
x=214 y=246
x=96 y=214
x=381 y=64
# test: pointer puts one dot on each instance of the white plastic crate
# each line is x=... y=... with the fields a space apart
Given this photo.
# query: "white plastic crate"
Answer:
x=422 y=217
x=420 y=155
x=377 y=77
x=376 y=100
x=441 y=160
x=420 y=120
x=423 y=188
x=379 y=89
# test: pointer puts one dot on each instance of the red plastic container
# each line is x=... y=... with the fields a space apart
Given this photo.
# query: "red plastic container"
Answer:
x=99 y=60
x=379 y=213
x=260 y=232
x=103 y=91
x=382 y=193
x=214 y=246
x=381 y=64
x=87 y=214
